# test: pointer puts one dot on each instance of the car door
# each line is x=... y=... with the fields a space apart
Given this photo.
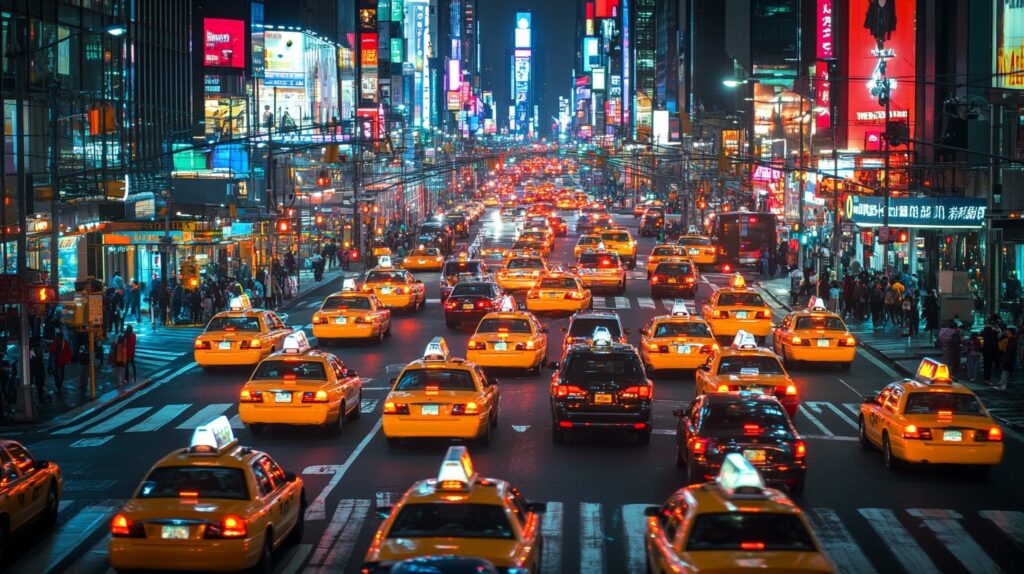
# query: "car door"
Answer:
x=36 y=480
x=271 y=495
x=529 y=527
x=688 y=425
x=873 y=415
x=289 y=493
x=890 y=412
x=667 y=547
x=13 y=491
x=346 y=387
x=489 y=390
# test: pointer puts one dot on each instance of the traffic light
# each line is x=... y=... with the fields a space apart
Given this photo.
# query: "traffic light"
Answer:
x=42 y=294
x=323 y=179
x=902 y=236
x=283 y=226
x=318 y=219
x=701 y=204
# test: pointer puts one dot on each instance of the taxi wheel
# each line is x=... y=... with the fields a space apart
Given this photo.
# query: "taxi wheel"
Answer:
x=379 y=338
x=485 y=437
x=266 y=562
x=845 y=366
x=358 y=411
x=338 y=425
x=888 y=459
x=862 y=434
x=387 y=333
x=52 y=509
x=295 y=536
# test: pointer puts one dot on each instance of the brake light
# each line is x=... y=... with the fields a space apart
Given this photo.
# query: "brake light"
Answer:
x=319 y=319
x=699 y=446
x=451 y=304
x=849 y=341
x=689 y=279
x=248 y=396
x=762 y=314
x=712 y=348
x=751 y=545
x=723 y=388
x=564 y=391
x=797 y=340
x=994 y=434
x=433 y=390
x=800 y=449
x=230 y=526
x=482 y=303
x=655 y=279
x=251 y=344
x=791 y=390
x=911 y=431
x=470 y=408
x=636 y=392
x=719 y=314
x=121 y=525
x=364 y=320
x=726 y=268
x=575 y=295
x=317 y=397
x=204 y=345
x=653 y=347
x=476 y=345
x=751 y=429
x=531 y=294
x=945 y=416
x=392 y=408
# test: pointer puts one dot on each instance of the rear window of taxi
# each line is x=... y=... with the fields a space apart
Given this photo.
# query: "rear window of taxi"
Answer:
x=440 y=520
x=766 y=416
x=673 y=269
x=250 y=324
x=749 y=365
x=495 y=325
x=443 y=379
x=740 y=299
x=820 y=322
x=281 y=368
x=195 y=482
x=456 y=267
x=932 y=403
x=384 y=276
x=589 y=241
x=750 y=531
x=694 y=241
x=347 y=303
x=667 y=250
x=525 y=263
x=557 y=283
x=617 y=237
x=682 y=330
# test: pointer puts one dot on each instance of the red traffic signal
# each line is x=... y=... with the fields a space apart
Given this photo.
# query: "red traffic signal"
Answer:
x=42 y=294
x=323 y=179
x=902 y=236
x=701 y=204
x=319 y=219
x=283 y=226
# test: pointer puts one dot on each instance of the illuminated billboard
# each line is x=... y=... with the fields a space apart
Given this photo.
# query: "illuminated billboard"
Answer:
x=591 y=53
x=368 y=50
x=825 y=49
x=522 y=36
x=867 y=48
x=454 y=75
x=1008 y=40
x=284 y=59
x=224 y=43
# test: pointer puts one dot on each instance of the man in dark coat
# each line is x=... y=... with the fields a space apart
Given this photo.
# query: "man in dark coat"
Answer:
x=989 y=347
x=1009 y=362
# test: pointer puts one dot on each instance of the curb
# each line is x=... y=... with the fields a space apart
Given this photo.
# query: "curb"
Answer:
x=78 y=412
x=326 y=283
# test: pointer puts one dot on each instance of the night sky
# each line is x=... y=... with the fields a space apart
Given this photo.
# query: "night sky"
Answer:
x=554 y=24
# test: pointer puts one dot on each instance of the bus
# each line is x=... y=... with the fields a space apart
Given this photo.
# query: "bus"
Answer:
x=740 y=236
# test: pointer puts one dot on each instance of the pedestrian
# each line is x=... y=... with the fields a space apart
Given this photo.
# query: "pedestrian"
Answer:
x=951 y=349
x=796 y=279
x=973 y=356
x=892 y=305
x=1009 y=362
x=911 y=317
x=877 y=302
x=37 y=368
x=117 y=282
x=119 y=360
x=129 y=341
x=60 y=356
x=931 y=310
x=766 y=273
x=989 y=347
x=83 y=358
x=133 y=302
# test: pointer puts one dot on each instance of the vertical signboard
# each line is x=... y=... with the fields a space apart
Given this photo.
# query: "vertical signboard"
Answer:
x=825 y=49
x=223 y=43
x=284 y=59
x=1008 y=45
x=258 y=61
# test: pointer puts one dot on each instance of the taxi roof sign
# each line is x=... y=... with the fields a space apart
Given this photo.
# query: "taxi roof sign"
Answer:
x=349 y=284
x=738 y=474
x=295 y=343
x=456 y=472
x=213 y=437
x=239 y=302
x=816 y=304
x=385 y=261
x=744 y=341
x=933 y=372
x=691 y=230
x=508 y=304
x=437 y=350
x=602 y=337
x=738 y=282
x=679 y=309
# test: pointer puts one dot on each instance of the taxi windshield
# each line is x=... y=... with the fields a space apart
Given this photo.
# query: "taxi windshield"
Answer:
x=589 y=241
x=670 y=250
x=595 y=260
x=589 y=367
x=496 y=325
x=820 y=322
x=749 y=365
x=557 y=283
x=694 y=241
x=251 y=324
x=736 y=416
x=385 y=276
x=765 y=531
x=927 y=403
x=525 y=263
x=471 y=290
x=281 y=368
x=442 y=520
x=337 y=302
x=674 y=269
x=682 y=330
x=443 y=379
x=207 y=481
x=427 y=252
x=585 y=327
x=740 y=300
x=616 y=237
x=456 y=267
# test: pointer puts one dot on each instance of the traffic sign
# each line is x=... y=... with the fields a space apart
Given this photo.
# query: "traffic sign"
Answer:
x=95 y=310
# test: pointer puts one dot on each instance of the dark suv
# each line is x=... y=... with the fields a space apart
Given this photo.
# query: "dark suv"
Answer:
x=601 y=385
x=674 y=279
x=751 y=424
x=582 y=324
x=470 y=301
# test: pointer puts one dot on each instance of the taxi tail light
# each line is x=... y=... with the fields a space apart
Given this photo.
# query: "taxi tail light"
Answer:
x=393 y=408
x=848 y=341
x=476 y=345
x=653 y=347
x=912 y=431
x=230 y=526
x=433 y=390
x=124 y=527
x=364 y=320
x=689 y=279
x=637 y=392
x=993 y=434
x=575 y=295
x=368 y=288
x=251 y=396
x=531 y=294
x=719 y=314
x=319 y=319
x=251 y=344
x=751 y=545
x=314 y=397
x=751 y=429
x=723 y=388
x=796 y=340
x=726 y=268
x=470 y=408
x=563 y=391
x=399 y=290
x=656 y=279
x=527 y=346
x=800 y=449
x=712 y=348
x=699 y=446
x=451 y=305
x=790 y=390
x=202 y=345
x=760 y=314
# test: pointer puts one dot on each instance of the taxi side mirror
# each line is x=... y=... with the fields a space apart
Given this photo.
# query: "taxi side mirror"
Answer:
x=627 y=331
x=652 y=511
x=544 y=329
x=351 y=373
x=418 y=281
x=42 y=464
x=553 y=365
x=383 y=511
x=536 y=507
x=283 y=317
x=290 y=477
x=703 y=368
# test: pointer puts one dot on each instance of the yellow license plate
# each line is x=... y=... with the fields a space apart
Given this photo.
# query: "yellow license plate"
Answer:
x=603 y=398
x=174 y=532
x=754 y=456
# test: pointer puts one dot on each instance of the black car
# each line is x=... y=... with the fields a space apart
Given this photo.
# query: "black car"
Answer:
x=458 y=223
x=470 y=301
x=751 y=424
x=442 y=231
x=601 y=385
x=651 y=223
x=458 y=270
x=582 y=324
x=674 y=279
x=585 y=224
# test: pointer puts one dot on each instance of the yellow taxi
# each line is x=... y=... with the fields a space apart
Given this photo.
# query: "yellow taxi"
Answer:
x=240 y=336
x=491 y=201
x=814 y=335
x=351 y=314
x=640 y=208
x=930 y=419
x=299 y=385
x=698 y=248
x=566 y=202
x=395 y=288
x=621 y=242
x=559 y=292
x=214 y=507
x=601 y=268
x=424 y=259
x=30 y=491
x=585 y=242
x=522 y=272
x=509 y=338
x=736 y=308
x=460 y=514
x=441 y=396
x=539 y=240
x=743 y=366
x=676 y=341
x=664 y=252
x=731 y=524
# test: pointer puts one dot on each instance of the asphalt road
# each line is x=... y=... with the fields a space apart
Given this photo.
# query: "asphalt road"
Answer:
x=870 y=519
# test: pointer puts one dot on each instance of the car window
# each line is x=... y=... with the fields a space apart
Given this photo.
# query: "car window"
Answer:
x=525 y=263
x=595 y=260
x=557 y=283
x=456 y=267
x=584 y=327
x=589 y=241
x=682 y=330
x=443 y=379
x=749 y=531
x=749 y=365
x=472 y=290
x=204 y=481
x=673 y=269
x=442 y=520
x=264 y=483
x=768 y=417
x=225 y=323
x=284 y=368
x=928 y=403
x=339 y=302
x=22 y=459
x=616 y=237
x=586 y=368
x=740 y=299
x=496 y=325
x=668 y=250
x=820 y=322
x=385 y=276
x=8 y=470
x=671 y=516
x=694 y=241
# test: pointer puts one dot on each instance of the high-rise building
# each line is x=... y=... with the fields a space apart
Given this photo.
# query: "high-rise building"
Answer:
x=522 y=120
x=644 y=45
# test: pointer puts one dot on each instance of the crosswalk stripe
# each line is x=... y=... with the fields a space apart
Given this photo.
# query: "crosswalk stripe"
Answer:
x=945 y=525
x=551 y=528
x=205 y=415
x=591 y=538
x=854 y=408
x=645 y=302
x=368 y=405
x=807 y=414
x=157 y=420
x=598 y=301
x=816 y=406
x=634 y=525
x=621 y=303
x=117 y=420
x=338 y=540
x=898 y=540
x=1010 y=522
x=52 y=550
x=837 y=541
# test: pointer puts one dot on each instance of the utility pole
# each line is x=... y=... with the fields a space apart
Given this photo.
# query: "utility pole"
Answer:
x=885 y=169
x=25 y=409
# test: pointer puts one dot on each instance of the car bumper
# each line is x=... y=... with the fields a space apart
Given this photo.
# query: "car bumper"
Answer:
x=460 y=316
x=673 y=290
x=301 y=414
x=774 y=475
x=402 y=426
x=347 y=331
x=820 y=354
x=932 y=452
x=668 y=361
x=601 y=280
x=397 y=301
x=569 y=305
x=233 y=358
x=729 y=327
x=517 y=283
x=603 y=419
x=510 y=359
x=194 y=555
x=417 y=266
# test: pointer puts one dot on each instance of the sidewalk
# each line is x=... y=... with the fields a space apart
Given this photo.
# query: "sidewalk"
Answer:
x=905 y=353
x=156 y=350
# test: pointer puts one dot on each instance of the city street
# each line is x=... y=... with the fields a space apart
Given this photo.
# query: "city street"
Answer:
x=868 y=518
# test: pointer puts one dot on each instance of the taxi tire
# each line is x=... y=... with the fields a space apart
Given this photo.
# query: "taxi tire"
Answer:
x=862 y=434
x=485 y=437
x=358 y=411
x=393 y=441
x=379 y=338
x=888 y=459
x=255 y=428
x=265 y=565
x=337 y=427
x=295 y=536
x=4 y=537
x=52 y=510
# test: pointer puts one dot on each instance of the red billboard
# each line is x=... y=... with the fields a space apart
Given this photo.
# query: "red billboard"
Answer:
x=368 y=50
x=880 y=31
x=224 y=43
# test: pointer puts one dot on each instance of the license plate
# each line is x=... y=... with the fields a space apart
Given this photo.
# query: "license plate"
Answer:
x=283 y=397
x=467 y=306
x=341 y=320
x=754 y=456
x=693 y=251
x=501 y=346
x=741 y=314
x=224 y=345
x=422 y=261
x=385 y=290
x=673 y=280
x=603 y=398
x=429 y=410
x=822 y=342
x=953 y=436
x=684 y=349
x=552 y=294
x=174 y=532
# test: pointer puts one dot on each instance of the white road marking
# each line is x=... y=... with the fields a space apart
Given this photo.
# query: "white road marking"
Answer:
x=205 y=415
x=889 y=371
x=383 y=498
x=1011 y=522
x=91 y=442
x=64 y=505
x=433 y=301
x=551 y=529
x=828 y=437
x=317 y=509
x=598 y=301
x=645 y=302
x=816 y=406
x=236 y=422
x=945 y=524
x=157 y=420
x=838 y=543
x=634 y=527
x=907 y=552
x=339 y=539
x=520 y=428
x=622 y=303
x=854 y=408
x=807 y=414
x=368 y=405
x=591 y=538
x=117 y=420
